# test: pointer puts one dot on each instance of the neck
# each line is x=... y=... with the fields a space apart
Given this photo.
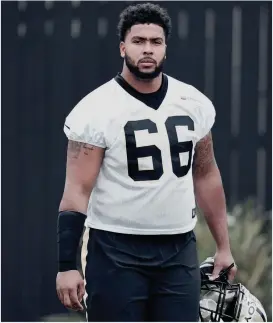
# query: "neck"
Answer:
x=142 y=86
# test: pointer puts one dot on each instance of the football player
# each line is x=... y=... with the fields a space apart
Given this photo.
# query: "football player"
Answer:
x=139 y=155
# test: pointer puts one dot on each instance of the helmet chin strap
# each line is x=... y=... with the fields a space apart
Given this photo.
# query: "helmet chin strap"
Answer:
x=225 y=271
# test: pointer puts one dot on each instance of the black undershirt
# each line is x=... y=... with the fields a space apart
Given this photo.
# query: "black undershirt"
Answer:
x=152 y=100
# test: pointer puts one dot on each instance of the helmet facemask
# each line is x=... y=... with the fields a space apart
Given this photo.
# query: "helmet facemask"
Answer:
x=220 y=302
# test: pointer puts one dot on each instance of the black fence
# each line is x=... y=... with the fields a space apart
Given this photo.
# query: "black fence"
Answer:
x=54 y=53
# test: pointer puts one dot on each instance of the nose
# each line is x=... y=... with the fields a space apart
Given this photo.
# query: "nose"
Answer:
x=148 y=50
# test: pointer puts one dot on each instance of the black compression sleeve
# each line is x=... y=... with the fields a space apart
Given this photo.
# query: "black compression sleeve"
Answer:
x=70 y=226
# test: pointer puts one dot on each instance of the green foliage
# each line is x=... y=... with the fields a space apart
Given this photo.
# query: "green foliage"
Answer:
x=250 y=234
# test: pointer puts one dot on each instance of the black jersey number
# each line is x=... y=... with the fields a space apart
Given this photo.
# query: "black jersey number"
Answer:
x=176 y=147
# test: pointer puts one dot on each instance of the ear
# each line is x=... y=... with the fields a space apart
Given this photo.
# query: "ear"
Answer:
x=122 y=49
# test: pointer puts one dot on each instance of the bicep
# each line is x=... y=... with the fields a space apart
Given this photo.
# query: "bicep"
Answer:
x=204 y=159
x=83 y=165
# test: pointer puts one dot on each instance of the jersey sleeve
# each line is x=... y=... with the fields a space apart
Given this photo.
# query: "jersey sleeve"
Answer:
x=207 y=113
x=85 y=124
x=208 y=119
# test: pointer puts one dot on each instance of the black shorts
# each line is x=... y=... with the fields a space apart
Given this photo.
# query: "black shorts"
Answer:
x=141 y=278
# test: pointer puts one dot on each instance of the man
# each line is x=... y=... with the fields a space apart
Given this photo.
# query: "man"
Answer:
x=141 y=146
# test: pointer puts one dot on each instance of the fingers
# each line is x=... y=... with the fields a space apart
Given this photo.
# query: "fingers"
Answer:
x=75 y=304
x=60 y=295
x=66 y=299
x=215 y=273
x=81 y=291
x=70 y=289
x=232 y=273
x=217 y=269
x=69 y=299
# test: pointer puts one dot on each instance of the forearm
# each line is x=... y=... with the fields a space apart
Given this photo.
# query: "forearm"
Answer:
x=83 y=166
x=75 y=200
x=71 y=219
x=210 y=197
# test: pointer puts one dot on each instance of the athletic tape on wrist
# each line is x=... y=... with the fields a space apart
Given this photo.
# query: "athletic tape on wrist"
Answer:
x=70 y=226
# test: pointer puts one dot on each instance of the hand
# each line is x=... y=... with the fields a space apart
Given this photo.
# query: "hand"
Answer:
x=222 y=260
x=70 y=289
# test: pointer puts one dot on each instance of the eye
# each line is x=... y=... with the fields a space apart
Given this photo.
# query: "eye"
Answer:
x=137 y=41
x=157 y=41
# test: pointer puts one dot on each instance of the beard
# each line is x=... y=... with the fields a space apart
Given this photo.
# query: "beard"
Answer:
x=134 y=69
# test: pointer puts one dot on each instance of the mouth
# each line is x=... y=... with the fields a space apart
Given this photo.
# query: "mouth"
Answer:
x=147 y=62
x=147 y=65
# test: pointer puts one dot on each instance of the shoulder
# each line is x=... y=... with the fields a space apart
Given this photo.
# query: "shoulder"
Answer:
x=97 y=99
x=189 y=92
x=196 y=103
x=87 y=121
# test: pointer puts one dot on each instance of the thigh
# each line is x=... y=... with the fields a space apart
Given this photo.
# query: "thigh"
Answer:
x=176 y=290
x=116 y=291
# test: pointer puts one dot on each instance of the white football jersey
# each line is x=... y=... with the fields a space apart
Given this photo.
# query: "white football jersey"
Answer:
x=145 y=184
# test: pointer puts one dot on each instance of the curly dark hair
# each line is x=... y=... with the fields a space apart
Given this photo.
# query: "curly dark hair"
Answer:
x=141 y=14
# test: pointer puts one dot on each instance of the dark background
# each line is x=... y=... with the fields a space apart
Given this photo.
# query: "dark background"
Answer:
x=54 y=53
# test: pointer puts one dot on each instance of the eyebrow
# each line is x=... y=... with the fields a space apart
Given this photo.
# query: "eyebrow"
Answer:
x=145 y=38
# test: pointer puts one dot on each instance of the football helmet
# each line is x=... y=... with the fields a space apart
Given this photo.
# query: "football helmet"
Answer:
x=221 y=301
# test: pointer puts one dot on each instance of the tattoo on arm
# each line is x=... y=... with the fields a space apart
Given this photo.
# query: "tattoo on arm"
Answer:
x=75 y=148
x=87 y=149
x=204 y=156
